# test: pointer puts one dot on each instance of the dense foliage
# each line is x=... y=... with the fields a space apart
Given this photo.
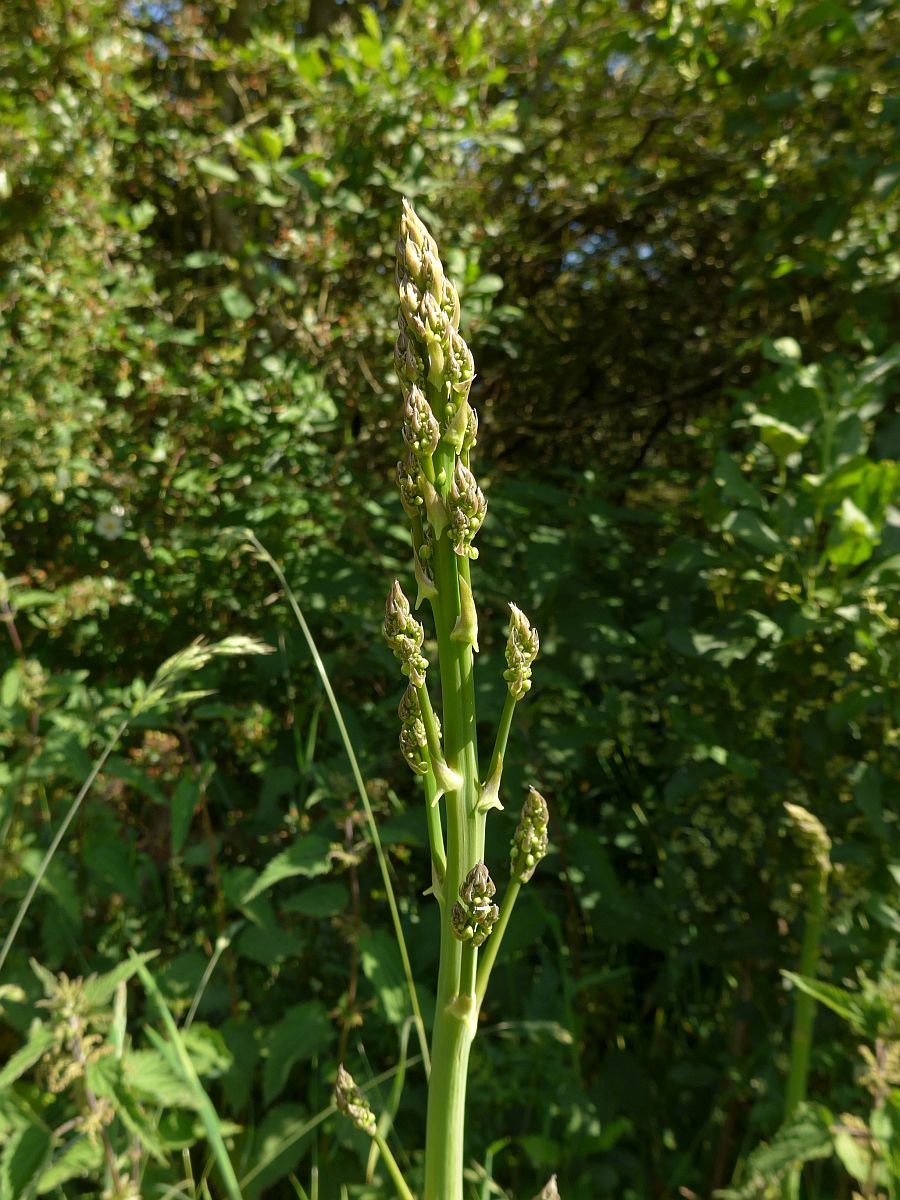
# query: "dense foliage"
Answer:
x=678 y=252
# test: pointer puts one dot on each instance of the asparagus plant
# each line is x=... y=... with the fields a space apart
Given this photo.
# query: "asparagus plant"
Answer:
x=812 y=835
x=446 y=509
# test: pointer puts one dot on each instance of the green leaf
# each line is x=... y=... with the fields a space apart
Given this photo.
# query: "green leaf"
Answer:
x=218 y=170
x=852 y=538
x=106 y=1078
x=278 y=1144
x=207 y=1049
x=734 y=484
x=303 y=1031
x=781 y=438
x=184 y=801
x=320 y=900
x=80 y=1159
x=236 y=303
x=310 y=855
x=382 y=966
x=40 y=1039
x=99 y=989
x=154 y=1077
x=22 y=1162
x=853 y=1007
x=749 y=527
x=806 y=1136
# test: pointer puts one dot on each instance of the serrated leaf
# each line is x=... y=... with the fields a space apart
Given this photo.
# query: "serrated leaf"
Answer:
x=78 y=1160
x=107 y=1078
x=805 y=1136
x=207 y=1049
x=310 y=855
x=98 y=991
x=149 y=1073
x=22 y=1162
x=40 y=1039
x=303 y=1031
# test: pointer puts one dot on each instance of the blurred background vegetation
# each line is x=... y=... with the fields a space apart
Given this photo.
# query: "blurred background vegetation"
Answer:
x=674 y=227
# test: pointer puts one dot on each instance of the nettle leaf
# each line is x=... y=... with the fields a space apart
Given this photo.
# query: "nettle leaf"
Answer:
x=804 y=1137
x=206 y=1046
x=150 y=1075
x=77 y=1160
x=106 y=1077
x=310 y=855
x=40 y=1039
x=99 y=990
x=22 y=1162
x=304 y=1030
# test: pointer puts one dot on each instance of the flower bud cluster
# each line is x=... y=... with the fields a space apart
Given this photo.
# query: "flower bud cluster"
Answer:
x=429 y=346
x=529 y=842
x=352 y=1103
x=413 y=741
x=522 y=647
x=467 y=507
x=420 y=430
x=408 y=476
x=405 y=635
x=473 y=920
x=812 y=835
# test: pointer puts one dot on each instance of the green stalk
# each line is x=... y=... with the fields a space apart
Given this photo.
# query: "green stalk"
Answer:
x=447 y=509
x=492 y=945
x=805 y=1005
x=454 y=1025
x=435 y=829
x=393 y=1169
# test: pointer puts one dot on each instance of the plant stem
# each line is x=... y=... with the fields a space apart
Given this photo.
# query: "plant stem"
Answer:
x=435 y=829
x=454 y=1024
x=492 y=945
x=804 y=1015
x=454 y=1031
x=58 y=837
x=393 y=1169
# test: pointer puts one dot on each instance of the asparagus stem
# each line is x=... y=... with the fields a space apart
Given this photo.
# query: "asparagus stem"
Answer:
x=393 y=1169
x=435 y=827
x=445 y=777
x=813 y=834
x=492 y=945
x=447 y=509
